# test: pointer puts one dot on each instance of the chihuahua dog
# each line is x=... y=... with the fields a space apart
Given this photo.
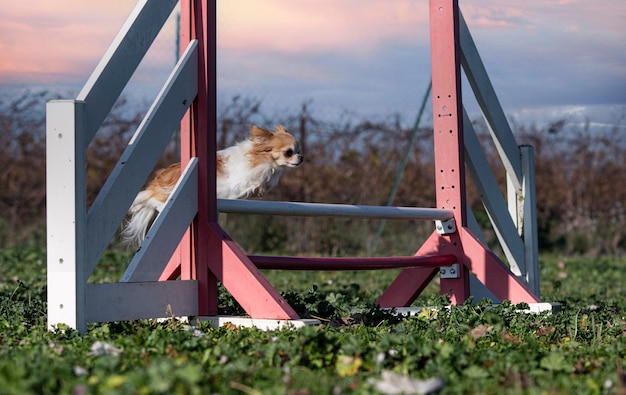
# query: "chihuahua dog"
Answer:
x=249 y=168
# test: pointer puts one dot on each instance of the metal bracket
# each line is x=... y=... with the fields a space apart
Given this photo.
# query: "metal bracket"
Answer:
x=445 y=227
x=451 y=271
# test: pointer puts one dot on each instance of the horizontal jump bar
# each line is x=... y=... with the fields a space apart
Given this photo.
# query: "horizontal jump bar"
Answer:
x=377 y=263
x=330 y=210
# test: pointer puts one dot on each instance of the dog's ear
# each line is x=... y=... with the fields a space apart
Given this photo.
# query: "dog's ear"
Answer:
x=280 y=129
x=259 y=135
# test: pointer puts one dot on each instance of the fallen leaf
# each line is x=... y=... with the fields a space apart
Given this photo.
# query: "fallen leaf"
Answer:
x=480 y=331
x=80 y=371
x=229 y=326
x=348 y=365
x=515 y=339
x=102 y=348
x=391 y=383
x=428 y=314
x=244 y=388
x=545 y=330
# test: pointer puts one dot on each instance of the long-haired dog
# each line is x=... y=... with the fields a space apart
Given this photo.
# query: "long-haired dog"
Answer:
x=249 y=168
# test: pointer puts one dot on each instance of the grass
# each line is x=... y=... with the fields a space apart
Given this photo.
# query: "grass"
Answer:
x=473 y=349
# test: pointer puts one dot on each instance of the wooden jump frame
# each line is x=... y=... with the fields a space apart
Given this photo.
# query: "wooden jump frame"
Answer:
x=188 y=231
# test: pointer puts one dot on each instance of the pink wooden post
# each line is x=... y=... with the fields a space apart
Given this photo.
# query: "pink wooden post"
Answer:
x=198 y=139
x=448 y=131
x=450 y=183
x=211 y=253
x=197 y=134
x=449 y=163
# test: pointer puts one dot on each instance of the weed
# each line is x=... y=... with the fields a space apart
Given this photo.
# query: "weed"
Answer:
x=475 y=348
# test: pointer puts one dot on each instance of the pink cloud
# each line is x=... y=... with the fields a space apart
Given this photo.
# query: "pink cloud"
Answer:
x=41 y=40
x=498 y=16
x=312 y=25
x=546 y=15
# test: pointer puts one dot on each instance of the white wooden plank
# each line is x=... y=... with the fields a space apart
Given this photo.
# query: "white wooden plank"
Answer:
x=523 y=209
x=134 y=301
x=121 y=60
x=513 y=202
x=65 y=200
x=167 y=230
x=137 y=161
x=333 y=210
x=489 y=104
x=529 y=219
x=492 y=198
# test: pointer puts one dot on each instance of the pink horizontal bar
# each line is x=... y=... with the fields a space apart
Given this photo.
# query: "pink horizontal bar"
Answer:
x=378 y=263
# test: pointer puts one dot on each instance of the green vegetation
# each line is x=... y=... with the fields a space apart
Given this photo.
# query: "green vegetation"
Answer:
x=359 y=348
x=472 y=348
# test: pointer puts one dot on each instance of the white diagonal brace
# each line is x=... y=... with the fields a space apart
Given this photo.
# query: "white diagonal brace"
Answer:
x=490 y=105
x=167 y=230
x=138 y=159
x=492 y=198
x=121 y=60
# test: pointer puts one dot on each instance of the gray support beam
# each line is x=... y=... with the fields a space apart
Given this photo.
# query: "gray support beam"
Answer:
x=138 y=159
x=120 y=61
x=167 y=230
x=489 y=104
x=332 y=210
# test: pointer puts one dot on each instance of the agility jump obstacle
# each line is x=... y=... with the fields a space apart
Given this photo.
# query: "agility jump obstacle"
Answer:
x=186 y=252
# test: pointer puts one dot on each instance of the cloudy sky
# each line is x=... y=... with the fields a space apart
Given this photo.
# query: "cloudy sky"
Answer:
x=367 y=57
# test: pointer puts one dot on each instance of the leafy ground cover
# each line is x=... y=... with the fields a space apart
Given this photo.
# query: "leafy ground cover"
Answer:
x=474 y=349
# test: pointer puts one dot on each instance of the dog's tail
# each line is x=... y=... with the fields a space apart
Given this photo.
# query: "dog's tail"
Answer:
x=142 y=216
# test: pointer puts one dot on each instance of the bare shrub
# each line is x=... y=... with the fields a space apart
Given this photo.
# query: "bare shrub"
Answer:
x=581 y=182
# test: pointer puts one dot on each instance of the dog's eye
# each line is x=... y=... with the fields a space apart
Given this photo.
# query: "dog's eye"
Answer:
x=289 y=153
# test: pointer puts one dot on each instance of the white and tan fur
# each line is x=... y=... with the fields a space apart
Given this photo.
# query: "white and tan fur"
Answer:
x=250 y=168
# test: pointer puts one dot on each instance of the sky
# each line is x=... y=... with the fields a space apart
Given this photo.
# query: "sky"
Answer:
x=368 y=58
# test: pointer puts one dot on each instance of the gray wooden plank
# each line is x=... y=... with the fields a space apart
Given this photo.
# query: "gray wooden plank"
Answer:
x=134 y=301
x=529 y=219
x=489 y=104
x=333 y=210
x=138 y=159
x=492 y=198
x=121 y=60
x=167 y=230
